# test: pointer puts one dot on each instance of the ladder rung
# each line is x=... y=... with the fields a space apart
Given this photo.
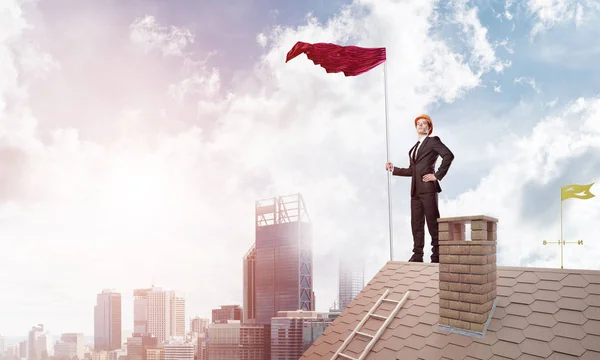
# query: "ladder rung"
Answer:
x=364 y=334
x=392 y=301
x=347 y=356
x=378 y=316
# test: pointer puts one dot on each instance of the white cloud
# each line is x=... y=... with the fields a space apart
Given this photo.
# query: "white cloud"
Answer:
x=150 y=35
x=505 y=44
x=549 y=13
x=527 y=80
x=507 y=6
x=483 y=53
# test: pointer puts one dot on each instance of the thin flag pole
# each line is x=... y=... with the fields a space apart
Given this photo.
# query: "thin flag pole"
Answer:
x=389 y=173
x=561 y=231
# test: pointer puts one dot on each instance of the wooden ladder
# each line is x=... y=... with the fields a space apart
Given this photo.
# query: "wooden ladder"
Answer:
x=374 y=338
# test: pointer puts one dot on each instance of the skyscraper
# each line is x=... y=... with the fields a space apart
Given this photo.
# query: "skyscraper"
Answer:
x=107 y=321
x=34 y=352
x=140 y=310
x=249 y=268
x=177 y=316
x=351 y=280
x=159 y=313
x=283 y=264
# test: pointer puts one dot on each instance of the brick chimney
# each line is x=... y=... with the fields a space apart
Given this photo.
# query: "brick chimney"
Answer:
x=467 y=272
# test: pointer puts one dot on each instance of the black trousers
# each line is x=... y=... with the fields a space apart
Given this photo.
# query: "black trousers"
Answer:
x=425 y=207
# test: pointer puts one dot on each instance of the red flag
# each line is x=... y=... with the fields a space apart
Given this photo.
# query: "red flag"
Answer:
x=351 y=60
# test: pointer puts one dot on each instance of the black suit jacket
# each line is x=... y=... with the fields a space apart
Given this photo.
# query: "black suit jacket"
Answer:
x=430 y=149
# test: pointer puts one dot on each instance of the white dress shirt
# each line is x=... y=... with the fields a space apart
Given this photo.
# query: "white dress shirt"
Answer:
x=416 y=152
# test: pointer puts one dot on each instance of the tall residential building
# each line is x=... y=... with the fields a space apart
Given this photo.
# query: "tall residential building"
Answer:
x=293 y=332
x=34 y=352
x=351 y=280
x=73 y=338
x=107 y=321
x=177 y=316
x=159 y=313
x=249 y=268
x=283 y=264
x=236 y=341
x=226 y=312
x=22 y=350
x=198 y=325
x=45 y=347
x=140 y=310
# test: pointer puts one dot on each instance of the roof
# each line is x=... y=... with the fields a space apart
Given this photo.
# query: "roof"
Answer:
x=540 y=314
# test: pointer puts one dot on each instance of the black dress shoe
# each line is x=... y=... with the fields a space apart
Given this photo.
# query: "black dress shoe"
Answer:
x=416 y=258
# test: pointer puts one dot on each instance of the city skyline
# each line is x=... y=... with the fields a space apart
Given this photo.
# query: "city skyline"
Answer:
x=135 y=138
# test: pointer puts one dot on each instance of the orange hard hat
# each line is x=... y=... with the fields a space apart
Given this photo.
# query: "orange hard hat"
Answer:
x=426 y=117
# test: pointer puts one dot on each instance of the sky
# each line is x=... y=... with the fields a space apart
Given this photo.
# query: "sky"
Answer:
x=135 y=139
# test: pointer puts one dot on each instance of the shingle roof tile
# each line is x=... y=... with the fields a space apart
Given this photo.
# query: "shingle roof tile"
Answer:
x=526 y=288
x=591 y=342
x=541 y=333
x=535 y=348
x=540 y=313
x=521 y=298
x=547 y=307
x=592 y=300
x=573 y=292
x=593 y=289
x=574 y=280
x=592 y=327
x=592 y=312
x=592 y=279
x=569 y=331
x=590 y=355
x=506 y=349
x=528 y=277
x=570 y=316
x=572 y=304
x=429 y=352
x=567 y=346
x=546 y=295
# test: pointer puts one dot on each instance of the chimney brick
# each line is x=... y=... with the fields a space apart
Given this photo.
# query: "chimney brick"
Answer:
x=467 y=271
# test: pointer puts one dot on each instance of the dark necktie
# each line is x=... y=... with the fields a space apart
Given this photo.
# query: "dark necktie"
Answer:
x=414 y=151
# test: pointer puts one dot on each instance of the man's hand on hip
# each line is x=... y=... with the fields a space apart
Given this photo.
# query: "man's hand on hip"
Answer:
x=429 y=177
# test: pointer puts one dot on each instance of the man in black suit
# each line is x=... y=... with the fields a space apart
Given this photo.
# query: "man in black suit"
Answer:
x=425 y=185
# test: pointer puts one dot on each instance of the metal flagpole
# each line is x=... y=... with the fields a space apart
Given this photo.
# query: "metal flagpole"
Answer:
x=389 y=173
x=561 y=231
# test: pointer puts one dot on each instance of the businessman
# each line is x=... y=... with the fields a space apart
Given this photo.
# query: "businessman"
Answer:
x=424 y=185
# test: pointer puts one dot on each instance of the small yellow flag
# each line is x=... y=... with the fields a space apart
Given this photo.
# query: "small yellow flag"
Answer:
x=576 y=191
